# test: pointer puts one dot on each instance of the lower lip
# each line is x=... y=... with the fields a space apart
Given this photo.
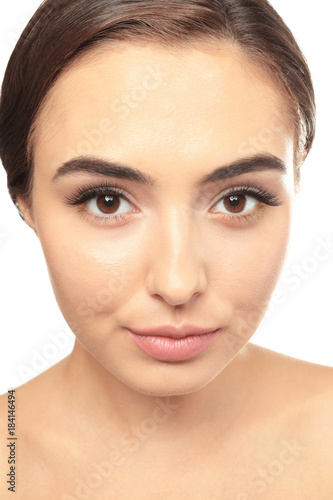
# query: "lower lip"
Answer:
x=170 y=349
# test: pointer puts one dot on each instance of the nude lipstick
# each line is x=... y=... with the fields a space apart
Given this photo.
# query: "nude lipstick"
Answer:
x=172 y=343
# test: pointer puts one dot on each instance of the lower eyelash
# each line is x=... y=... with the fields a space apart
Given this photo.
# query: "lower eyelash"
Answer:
x=241 y=218
x=104 y=219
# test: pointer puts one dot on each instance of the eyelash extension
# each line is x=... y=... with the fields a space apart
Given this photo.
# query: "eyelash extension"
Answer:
x=90 y=191
x=263 y=195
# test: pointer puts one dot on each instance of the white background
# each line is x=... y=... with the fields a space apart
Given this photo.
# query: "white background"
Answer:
x=300 y=325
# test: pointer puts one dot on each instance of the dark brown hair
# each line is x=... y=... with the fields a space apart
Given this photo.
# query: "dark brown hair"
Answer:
x=61 y=30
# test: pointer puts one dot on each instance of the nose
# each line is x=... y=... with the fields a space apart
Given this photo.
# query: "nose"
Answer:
x=176 y=269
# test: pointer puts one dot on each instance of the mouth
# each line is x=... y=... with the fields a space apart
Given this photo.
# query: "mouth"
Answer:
x=173 y=348
x=176 y=332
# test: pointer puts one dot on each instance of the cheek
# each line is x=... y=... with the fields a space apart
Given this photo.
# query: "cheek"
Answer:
x=249 y=281
x=90 y=274
x=261 y=268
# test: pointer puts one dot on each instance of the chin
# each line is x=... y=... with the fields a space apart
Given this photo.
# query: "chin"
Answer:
x=163 y=379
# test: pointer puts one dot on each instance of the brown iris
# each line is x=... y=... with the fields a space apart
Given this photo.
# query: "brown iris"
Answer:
x=108 y=204
x=235 y=203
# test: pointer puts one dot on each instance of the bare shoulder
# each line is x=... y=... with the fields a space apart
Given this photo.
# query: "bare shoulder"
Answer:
x=301 y=397
x=294 y=375
x=294 y=383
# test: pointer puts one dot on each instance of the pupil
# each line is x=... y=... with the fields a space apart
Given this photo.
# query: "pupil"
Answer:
x=234 y=201
x=108 y=201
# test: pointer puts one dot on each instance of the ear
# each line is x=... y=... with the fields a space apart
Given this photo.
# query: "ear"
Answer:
x=26 y=213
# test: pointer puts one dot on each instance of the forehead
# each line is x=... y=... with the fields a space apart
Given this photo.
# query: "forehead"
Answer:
x=128 y=100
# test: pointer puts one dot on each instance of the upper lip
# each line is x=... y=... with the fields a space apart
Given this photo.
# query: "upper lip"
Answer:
x=173 y=331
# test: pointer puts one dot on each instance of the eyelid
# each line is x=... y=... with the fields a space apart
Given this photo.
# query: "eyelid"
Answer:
x=261 y=194
x=88 y=192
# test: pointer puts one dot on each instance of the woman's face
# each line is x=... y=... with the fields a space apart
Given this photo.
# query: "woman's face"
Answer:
x=170 y=250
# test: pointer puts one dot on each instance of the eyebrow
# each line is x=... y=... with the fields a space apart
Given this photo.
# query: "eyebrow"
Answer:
x=98 y=166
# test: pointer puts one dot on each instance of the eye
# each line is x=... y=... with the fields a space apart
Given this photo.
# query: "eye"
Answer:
x=108 y=204
x=237 y=203
x=105 y=203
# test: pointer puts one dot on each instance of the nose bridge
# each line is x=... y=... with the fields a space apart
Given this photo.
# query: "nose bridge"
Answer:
x=176 y=270
x=177 y=237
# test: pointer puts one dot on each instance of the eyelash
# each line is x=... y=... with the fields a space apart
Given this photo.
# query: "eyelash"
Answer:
x=89 y=192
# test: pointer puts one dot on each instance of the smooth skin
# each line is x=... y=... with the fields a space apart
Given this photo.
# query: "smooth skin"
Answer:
x=236 y=421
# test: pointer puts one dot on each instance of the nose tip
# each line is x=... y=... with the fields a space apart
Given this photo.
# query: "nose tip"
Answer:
x=176 y=299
